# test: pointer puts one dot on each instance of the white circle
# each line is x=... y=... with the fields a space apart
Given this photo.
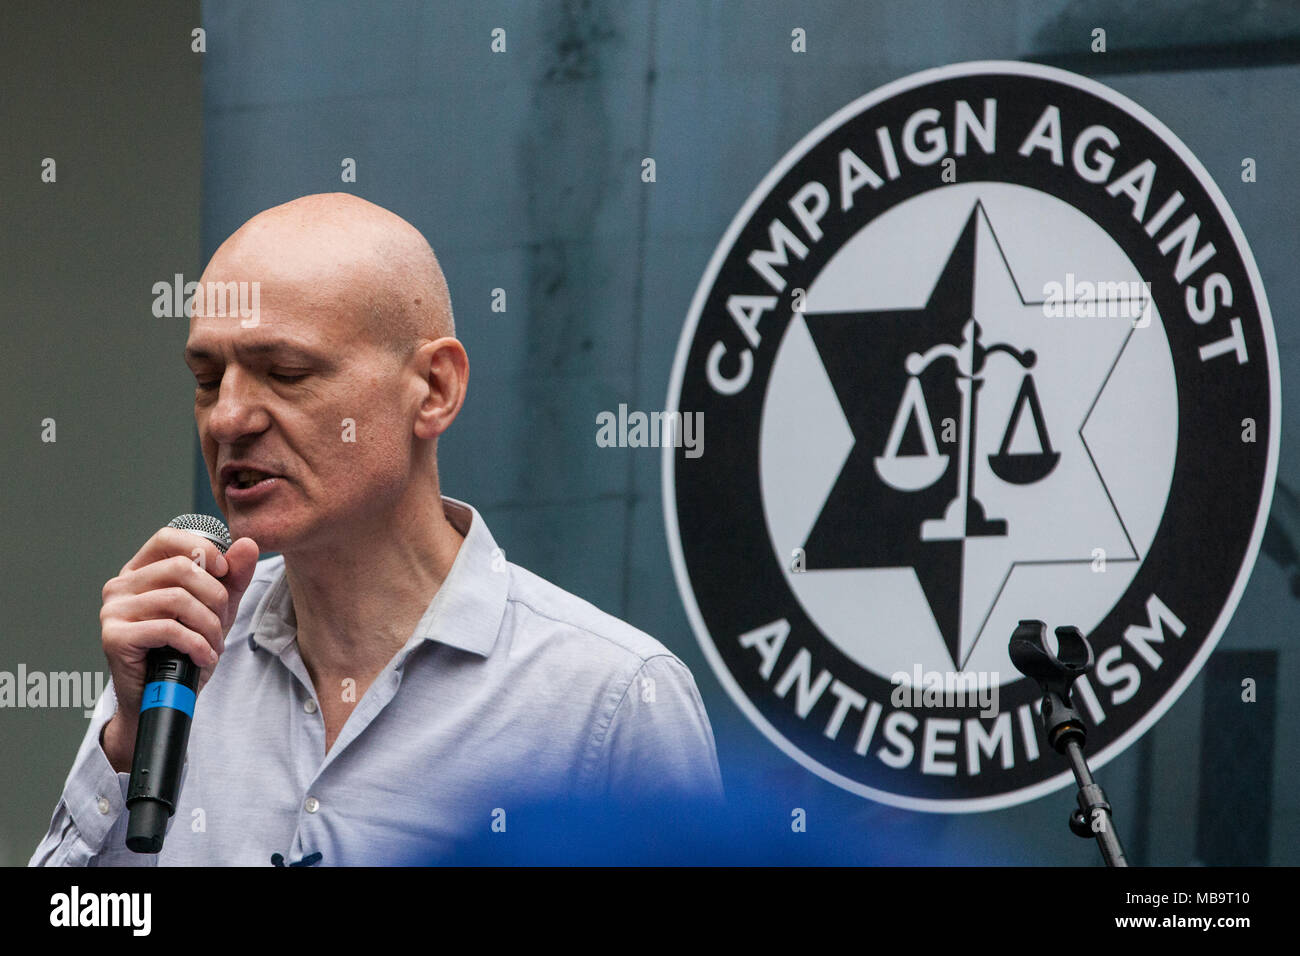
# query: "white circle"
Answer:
x=892 y=263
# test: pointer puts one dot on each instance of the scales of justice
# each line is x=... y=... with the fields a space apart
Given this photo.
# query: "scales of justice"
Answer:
x=964 y=517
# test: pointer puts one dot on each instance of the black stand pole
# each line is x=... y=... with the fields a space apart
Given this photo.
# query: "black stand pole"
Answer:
x=1066 y=731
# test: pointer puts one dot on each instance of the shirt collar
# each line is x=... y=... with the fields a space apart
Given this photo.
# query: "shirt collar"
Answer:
x=466 y=612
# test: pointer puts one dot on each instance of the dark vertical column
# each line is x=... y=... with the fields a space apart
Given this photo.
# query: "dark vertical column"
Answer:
x=1236 y=792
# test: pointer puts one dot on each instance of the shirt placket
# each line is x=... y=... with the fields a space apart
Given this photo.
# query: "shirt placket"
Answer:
x=312 y=763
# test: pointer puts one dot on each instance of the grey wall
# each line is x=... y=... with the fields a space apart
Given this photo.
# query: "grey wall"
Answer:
x=523 y=171
x=111 y=93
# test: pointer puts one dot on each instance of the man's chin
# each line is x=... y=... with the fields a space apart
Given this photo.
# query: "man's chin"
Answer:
x=271 y=536
x=278 y=533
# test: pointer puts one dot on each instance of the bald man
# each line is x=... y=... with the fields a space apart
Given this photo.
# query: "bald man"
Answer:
x=388 y=686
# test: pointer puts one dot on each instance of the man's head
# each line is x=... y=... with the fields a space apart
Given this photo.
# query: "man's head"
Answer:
x=341 y=383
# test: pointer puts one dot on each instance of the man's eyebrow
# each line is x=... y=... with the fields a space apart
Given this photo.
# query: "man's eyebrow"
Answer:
x=284 y=349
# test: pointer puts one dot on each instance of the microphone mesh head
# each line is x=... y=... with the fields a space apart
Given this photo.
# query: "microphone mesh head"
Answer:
x=206 y=525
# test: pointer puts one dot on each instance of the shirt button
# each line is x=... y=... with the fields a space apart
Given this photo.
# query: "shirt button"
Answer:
x=102 y=804
x=311 y=805
x=309 y=706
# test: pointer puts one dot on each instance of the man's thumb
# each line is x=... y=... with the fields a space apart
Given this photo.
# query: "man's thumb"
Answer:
x=241 y=559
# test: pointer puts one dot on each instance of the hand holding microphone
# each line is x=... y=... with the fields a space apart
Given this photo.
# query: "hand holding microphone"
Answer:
x=163 y=625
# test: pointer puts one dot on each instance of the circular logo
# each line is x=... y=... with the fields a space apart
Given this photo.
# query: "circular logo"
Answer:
x=987 y=345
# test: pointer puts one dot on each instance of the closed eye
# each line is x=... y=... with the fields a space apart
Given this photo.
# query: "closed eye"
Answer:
x=287 y=378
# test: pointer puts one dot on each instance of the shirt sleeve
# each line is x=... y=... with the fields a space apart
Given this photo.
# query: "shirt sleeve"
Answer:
x=89 y=824
x=659 y=741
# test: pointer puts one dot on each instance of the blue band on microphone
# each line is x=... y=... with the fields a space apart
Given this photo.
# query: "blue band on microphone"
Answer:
x=168 y=693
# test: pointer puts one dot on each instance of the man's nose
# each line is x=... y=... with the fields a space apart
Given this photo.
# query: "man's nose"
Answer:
x=238 y=410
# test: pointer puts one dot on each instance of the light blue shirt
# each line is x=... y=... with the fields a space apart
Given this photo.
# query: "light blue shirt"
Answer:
x=510 y=691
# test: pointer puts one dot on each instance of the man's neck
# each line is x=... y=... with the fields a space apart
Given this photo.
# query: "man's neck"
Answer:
x=358 y=605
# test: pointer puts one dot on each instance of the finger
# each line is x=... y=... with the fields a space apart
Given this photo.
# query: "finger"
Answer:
x=242 y=559
x=176 y=603
x=134 y=639
x=175 y=571
x=167 y=542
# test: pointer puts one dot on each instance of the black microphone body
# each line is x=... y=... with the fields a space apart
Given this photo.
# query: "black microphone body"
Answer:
x=163 y=732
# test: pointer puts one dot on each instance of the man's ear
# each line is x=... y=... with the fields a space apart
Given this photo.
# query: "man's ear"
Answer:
x=444 y=370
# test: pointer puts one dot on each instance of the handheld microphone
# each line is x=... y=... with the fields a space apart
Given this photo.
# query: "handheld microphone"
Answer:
x=166 y=708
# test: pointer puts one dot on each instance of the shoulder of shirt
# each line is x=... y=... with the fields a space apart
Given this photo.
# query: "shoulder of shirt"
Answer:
x=539 y=598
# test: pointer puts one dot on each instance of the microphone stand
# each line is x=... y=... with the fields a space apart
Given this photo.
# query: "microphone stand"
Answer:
x=1065 y=729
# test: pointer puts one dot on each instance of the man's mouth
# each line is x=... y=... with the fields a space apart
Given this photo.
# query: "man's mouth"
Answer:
x=245 y=477
x=248 y=478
